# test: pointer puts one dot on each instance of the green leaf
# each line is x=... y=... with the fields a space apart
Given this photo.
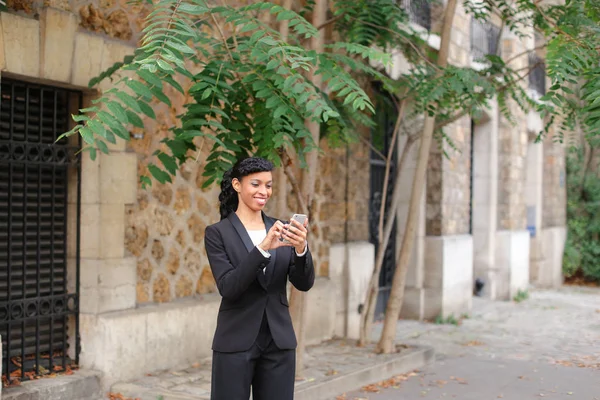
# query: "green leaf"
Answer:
x=161 y=96
x=87 y=135
x=168 y=162
x=174 y=83
x=159 y=174
x=164 y=66
x=102 y=146
x=135 y=119
x=139 y=88
x=128 y=101
x=146 y=182
x=151 y=78
x=146 y=109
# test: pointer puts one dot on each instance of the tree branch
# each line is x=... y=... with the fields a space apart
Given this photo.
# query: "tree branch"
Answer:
x=329 y=22
x=411 y=44
x=467 y=110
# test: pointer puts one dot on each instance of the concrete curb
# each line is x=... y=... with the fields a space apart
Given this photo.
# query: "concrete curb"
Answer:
x=82 y=385
x=408 y=360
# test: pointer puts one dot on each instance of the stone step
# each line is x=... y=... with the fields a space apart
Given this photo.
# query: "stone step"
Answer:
x=81 y=385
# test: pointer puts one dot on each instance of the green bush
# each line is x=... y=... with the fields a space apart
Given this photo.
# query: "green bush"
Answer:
x=582 y=250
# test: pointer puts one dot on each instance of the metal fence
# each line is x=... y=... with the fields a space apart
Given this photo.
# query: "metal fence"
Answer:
x=537 y=77
x=381 y=140
x=36 y=309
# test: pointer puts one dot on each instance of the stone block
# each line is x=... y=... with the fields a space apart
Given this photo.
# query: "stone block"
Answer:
x=118 y=178
x=90 y=180
x=89 y=241
x=87 y=58
x=57 y=43
x=114 y=51
x=116 y=284
x=112 y=230
x=320 y=311
x=350 y=281
x=125 y=345
x=448 y=276
x=194 y=334
x=550 y=272
x=361 y=256
x=115 y=344
x=21 y=44
x=512 y=263
x=413 y=303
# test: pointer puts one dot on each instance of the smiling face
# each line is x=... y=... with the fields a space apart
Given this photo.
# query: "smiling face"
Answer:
x=254 y=190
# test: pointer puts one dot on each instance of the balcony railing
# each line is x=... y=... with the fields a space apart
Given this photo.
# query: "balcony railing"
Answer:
x=419 y=12
x=484 y=39
x=537 y=77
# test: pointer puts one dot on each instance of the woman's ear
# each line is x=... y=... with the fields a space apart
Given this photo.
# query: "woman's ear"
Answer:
x=237 y=185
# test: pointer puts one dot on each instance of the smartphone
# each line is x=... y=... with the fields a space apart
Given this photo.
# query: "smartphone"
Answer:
x=301 y=218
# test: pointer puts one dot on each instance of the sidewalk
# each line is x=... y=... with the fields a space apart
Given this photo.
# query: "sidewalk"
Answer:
x=331 y=367
x=547 y=346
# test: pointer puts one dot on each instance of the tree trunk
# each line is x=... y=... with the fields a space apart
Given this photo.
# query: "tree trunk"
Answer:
x=385 y=230
x=284 y=30
x=297 y=298
x=386 y=343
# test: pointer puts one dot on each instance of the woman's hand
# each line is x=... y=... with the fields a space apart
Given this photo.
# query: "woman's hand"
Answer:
x=272 y=241
x=296 y=234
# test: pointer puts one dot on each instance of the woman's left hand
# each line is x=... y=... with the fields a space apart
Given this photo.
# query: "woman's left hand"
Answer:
x=296 y=234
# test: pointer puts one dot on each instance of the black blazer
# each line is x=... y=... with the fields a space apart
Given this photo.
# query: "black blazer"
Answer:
x=247 y=292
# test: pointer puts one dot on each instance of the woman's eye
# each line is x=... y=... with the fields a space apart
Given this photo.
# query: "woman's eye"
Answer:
x=269 y=187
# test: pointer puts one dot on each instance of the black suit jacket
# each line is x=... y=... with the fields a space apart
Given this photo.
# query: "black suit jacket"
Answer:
x=237 y=266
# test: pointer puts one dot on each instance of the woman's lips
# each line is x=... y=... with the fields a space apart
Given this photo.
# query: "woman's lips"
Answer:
x=261 y=201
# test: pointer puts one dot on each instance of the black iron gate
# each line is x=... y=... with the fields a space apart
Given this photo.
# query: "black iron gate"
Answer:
x=39 y=183
x=381 y=137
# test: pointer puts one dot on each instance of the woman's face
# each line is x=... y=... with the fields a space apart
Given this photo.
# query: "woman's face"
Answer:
x=254 y=190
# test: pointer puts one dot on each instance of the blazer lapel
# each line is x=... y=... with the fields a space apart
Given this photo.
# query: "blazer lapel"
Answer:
x=271 y=266
x=241 y=230
x=243 y=234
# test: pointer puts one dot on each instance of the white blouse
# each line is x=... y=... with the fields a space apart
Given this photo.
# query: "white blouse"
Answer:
x=257 y=236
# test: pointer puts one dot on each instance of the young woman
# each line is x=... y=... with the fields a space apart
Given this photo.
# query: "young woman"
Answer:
x=254 y=343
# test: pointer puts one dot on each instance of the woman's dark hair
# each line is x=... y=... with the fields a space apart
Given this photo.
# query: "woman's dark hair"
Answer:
x=228 y=198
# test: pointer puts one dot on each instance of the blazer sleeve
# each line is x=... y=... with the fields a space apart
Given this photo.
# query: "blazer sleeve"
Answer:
x=301 y=271
x=231 y=280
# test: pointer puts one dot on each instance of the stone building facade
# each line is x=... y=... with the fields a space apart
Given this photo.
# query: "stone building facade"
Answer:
x=144 y=275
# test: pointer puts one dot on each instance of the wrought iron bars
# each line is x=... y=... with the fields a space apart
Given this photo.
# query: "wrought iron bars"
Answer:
x=419 y=12
x=36 y=307
x=537 y=77
x=484 y=39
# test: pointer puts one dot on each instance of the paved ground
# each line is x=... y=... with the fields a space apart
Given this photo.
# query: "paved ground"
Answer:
x=330 y=367
x=545 y=347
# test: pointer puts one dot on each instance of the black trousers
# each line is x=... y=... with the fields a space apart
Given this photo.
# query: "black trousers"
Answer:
x=264 y=367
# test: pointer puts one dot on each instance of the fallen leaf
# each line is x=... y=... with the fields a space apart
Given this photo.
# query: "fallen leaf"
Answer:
x=331 y=372
x=371 y=389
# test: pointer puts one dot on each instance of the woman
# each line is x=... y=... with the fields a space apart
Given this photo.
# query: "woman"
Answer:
x=254 y=343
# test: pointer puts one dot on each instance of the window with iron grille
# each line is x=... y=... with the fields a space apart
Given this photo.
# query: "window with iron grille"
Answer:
x=484 y=39
x=537 y=77
x=419 y=12
x=39 y=192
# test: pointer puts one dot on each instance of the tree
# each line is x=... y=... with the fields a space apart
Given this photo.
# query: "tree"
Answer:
x=253 y=89
x=572 y=44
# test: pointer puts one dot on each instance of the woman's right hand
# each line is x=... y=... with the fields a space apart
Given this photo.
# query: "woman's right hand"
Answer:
x=272 y=241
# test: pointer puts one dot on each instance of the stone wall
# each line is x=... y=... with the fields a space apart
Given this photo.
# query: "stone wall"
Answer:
x=554 y=204
x=448 y=192
x=512 y=151
x=114 y=18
